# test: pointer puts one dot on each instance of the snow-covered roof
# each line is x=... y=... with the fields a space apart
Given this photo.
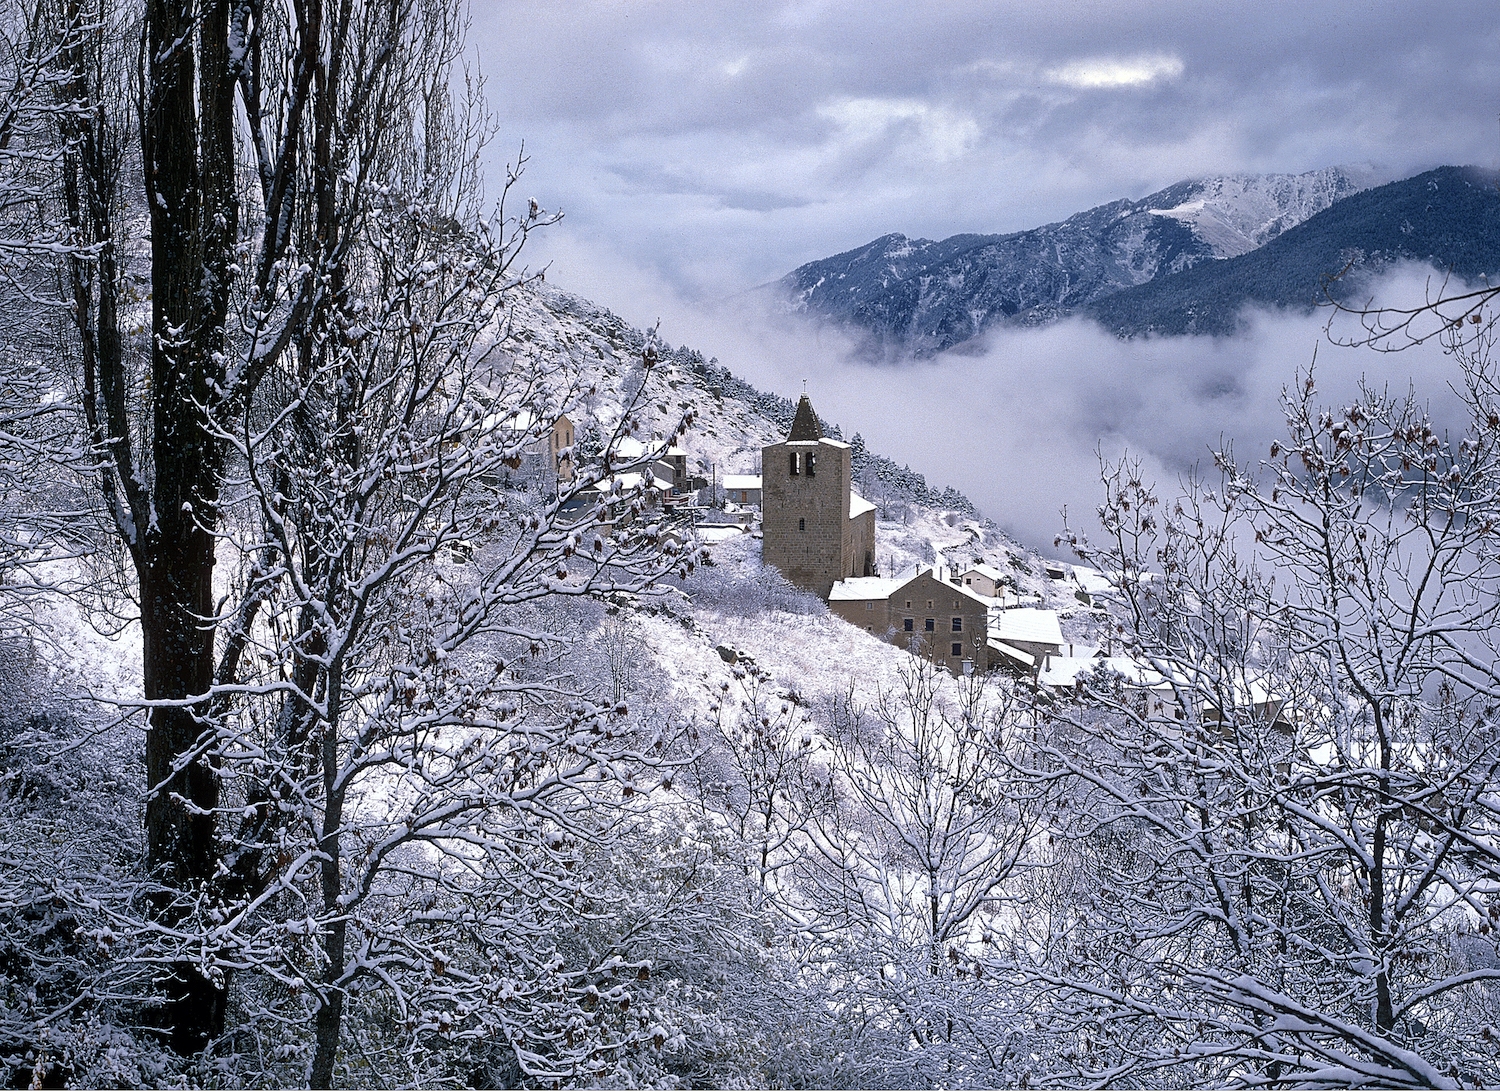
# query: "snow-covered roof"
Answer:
x=721 y=533
x=522 y=420
x=1023 y=658
x=1060 y=671
x=858 y=505
x=1030 y=625
x=629 y=447
x=864 y=589
x=633 y=481
x=742 y=481
x=944 y=576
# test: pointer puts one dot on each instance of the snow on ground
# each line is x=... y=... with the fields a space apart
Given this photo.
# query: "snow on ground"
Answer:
x=95 y=656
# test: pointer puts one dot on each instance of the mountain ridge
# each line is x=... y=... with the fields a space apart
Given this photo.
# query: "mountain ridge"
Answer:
x=919 y=296
x=1448 y=218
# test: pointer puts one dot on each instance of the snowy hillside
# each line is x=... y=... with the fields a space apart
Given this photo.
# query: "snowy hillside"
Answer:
x=790 y=634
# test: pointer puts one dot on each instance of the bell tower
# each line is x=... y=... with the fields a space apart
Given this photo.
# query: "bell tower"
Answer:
x=806 y=524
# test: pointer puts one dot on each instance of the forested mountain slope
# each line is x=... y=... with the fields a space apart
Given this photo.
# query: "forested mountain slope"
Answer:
x=918 y=296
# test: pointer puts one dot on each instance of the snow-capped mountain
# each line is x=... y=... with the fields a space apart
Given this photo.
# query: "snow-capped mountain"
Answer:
x=1448 y=218
x=920 y=296
x=1240 y=212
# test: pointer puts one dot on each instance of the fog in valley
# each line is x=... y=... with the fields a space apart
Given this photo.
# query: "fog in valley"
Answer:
x=1019 y=418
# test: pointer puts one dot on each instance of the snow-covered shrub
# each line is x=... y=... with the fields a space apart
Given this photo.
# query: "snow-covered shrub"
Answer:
x=737 y=584
x=70 y=840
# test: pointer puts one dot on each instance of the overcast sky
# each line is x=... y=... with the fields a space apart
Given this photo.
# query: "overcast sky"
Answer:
x=719 y=145
x=699 y=149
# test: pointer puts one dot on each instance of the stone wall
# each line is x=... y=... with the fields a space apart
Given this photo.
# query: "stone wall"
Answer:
x=872 y=615
x=925 y=598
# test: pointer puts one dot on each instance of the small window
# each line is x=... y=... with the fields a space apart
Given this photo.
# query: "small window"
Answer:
x=968 y=582
x=929 y=604
x=958 y=625
x=910 y=625
x=801 y=524
x=931 y=625
x=795 y=468
x=869 y=606
x=908 y=604
x=812 y=464
x=958 y=651
x=955 y=604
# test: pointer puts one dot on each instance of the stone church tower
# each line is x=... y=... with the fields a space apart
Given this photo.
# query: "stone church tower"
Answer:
x=816 y=529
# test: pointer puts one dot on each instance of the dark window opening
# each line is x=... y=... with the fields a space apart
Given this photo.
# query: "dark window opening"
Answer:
x=801 y=524
x=910 y=625
x=812 y=464
x=958 y=625
x=795 y=468
x=931 y=625
x=958 y=650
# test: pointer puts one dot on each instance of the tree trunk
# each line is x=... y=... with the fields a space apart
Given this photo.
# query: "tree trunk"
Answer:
x=187 y=137
x=331 y=1015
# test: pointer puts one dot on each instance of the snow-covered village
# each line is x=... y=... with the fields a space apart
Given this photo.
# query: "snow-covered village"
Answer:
x=789 y=546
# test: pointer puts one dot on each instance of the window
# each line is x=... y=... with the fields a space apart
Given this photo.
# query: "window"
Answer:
x=955 y=604
x=958 y=651
x=812 y=463
x=931 y=625
x=929 y=604
x=801 y=524
x=910 y=625
x=795 y=468
x=908 y=604
x=869 y=606
x=958 y=625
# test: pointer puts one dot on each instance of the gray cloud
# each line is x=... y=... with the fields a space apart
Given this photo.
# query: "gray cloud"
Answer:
x=773 y=135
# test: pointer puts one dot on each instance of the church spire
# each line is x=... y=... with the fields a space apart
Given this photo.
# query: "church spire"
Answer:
x=805 y=425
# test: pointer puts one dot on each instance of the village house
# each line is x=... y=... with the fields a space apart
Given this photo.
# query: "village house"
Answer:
x=742 y=489
x=815 y=528
x=927 y=614
x=548 y=458
x=984 y=579
x=1022 y=638
x=865 y=601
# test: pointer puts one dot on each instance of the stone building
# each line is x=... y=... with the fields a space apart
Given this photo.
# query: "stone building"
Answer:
x=817 y=530
x=929 y=615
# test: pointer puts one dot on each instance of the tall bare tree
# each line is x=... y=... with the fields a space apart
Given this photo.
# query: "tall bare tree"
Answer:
x=266 y=136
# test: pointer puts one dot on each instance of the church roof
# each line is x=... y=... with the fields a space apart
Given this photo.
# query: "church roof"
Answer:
x=805 y=425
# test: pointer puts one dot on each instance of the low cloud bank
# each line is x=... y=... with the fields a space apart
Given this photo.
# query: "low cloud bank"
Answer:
x=1019 y=421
